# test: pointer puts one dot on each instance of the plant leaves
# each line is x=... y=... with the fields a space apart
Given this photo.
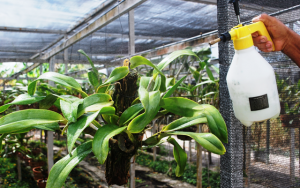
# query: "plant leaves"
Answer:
x=75 y=129
x=117 y=74
x=195 y=73
x=101 y=140
x=58 y=78
x=215 y=122
x=60 y=171
x=166 y=61
x=141 y=121
x=130 y=113
x=47 y=102
x=202 y=83
x=70 y=109
x=22 y=99
x=139 y=60
x=93 y=79
x=95 y=71
x=25 y=119
x=206 y=140
x=184 y=122
x=179 y=155
x=171 y=91
x=94 y=99
x=181 y=106
x=209 y=73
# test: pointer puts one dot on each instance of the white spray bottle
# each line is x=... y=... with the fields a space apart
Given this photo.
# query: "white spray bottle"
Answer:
x=251 y=79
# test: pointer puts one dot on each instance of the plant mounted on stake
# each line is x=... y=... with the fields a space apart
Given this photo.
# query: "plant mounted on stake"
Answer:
x=126 y=114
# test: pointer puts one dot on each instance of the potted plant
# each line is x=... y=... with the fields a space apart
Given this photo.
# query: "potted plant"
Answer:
x=127 y=104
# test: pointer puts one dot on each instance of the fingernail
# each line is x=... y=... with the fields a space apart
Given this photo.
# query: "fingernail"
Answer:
x=268 y=45
x=262 y=40
x=270 y=49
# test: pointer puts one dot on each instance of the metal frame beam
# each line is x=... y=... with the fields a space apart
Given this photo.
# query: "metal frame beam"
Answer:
x=247 y=6
x=31 y=30
x=117 y=35
x=110 y=16
x=19 y=51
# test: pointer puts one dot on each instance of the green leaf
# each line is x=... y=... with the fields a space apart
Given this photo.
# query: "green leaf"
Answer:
x=58 y=78
x=101 y=140
x=216 y=69
x=22 y=99
x=181 y=106
x=130 y=113
x=93 y=79
x=171 y=91
x=47 y=102
x=98 y=98
x=60 y=171
x=179 y=155
x=150 y=101
x=139 y=60
x=215 y=122
x=24 y=119
x=184 y=123
x=75 y=129
x=48 y=127
x=206 y=140
x=95 y=71
x=209 y=73
x=117 y=74
x=195 y=73
x=202 y=83
x=166 y=61
x=70 y=109
x=157 y=84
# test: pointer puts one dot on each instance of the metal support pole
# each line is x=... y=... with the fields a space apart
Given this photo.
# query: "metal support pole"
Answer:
x=248 y=155
x=292 y=156
x=50 y=133
x=66 y=59
x=41 y=131
x=199 y=160
x=154 y=148
x=268 y=142
x=232 y=160
x=131 y=51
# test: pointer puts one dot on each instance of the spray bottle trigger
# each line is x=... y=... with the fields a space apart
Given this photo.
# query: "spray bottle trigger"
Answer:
x=262 y=30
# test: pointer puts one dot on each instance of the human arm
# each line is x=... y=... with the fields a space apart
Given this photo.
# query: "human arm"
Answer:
x=284 y=39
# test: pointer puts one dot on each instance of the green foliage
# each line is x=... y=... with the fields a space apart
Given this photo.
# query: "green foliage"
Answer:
x=9 y=174
x=80 y=114
x=169 y=167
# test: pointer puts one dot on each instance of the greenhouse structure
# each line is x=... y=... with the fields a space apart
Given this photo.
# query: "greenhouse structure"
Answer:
x=132 y=93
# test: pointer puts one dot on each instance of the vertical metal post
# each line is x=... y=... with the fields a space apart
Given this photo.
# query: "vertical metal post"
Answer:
x=50 y=133
x=232 y=160
x=268 y=142
x=199 y=160
x=66 y=59
x=26 y=76
x=292 y=156
x=248 y=155
x=190 y=151
x=131 y=51
x=153 y=132
x=41 y=131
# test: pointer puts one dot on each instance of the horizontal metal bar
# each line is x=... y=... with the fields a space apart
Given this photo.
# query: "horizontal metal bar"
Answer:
x=31 y=30
x=26 y=60
x=110 y=16
x=19 y=51
x=126 y=36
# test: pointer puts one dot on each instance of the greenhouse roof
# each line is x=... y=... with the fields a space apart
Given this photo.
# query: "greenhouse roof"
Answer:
x=35 y=30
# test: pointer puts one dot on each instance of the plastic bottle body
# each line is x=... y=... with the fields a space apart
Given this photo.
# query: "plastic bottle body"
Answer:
x=252 y=87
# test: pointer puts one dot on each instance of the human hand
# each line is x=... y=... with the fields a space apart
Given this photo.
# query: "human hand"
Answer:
x=277 y=30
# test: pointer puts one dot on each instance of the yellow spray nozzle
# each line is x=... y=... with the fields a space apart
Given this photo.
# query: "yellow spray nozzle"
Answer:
x=242 y=35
